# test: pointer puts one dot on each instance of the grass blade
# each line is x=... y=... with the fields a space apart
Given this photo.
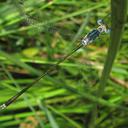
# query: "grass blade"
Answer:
x=119 y=11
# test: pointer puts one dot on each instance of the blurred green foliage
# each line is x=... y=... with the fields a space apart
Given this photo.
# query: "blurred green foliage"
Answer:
x=36 y=34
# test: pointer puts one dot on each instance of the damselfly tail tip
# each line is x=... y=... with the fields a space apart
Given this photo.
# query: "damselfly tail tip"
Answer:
x=3 y=106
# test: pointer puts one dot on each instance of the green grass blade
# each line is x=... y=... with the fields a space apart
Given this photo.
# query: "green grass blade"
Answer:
x=118 y=20
x=49 y=115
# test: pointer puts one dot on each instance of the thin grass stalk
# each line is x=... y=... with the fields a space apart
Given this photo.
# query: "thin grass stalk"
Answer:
x=118 y=18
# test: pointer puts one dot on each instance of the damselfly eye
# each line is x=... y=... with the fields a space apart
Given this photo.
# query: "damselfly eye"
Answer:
x=100 y=22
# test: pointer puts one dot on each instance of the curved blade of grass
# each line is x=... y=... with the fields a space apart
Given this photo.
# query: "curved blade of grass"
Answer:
x=118 y=21
x=49 y=115
x=16 y=61
x=75 y=124
x=119 y=9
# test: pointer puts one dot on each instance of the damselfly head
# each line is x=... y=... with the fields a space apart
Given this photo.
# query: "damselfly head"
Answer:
x=100 y=22
x=103 y=27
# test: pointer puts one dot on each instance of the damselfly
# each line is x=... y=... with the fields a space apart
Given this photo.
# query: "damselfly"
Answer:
x=89 y=38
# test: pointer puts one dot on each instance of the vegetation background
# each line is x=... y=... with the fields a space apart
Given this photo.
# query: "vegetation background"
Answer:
x=34 y=35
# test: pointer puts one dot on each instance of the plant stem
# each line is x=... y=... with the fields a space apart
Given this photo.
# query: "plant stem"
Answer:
x=118 y=17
